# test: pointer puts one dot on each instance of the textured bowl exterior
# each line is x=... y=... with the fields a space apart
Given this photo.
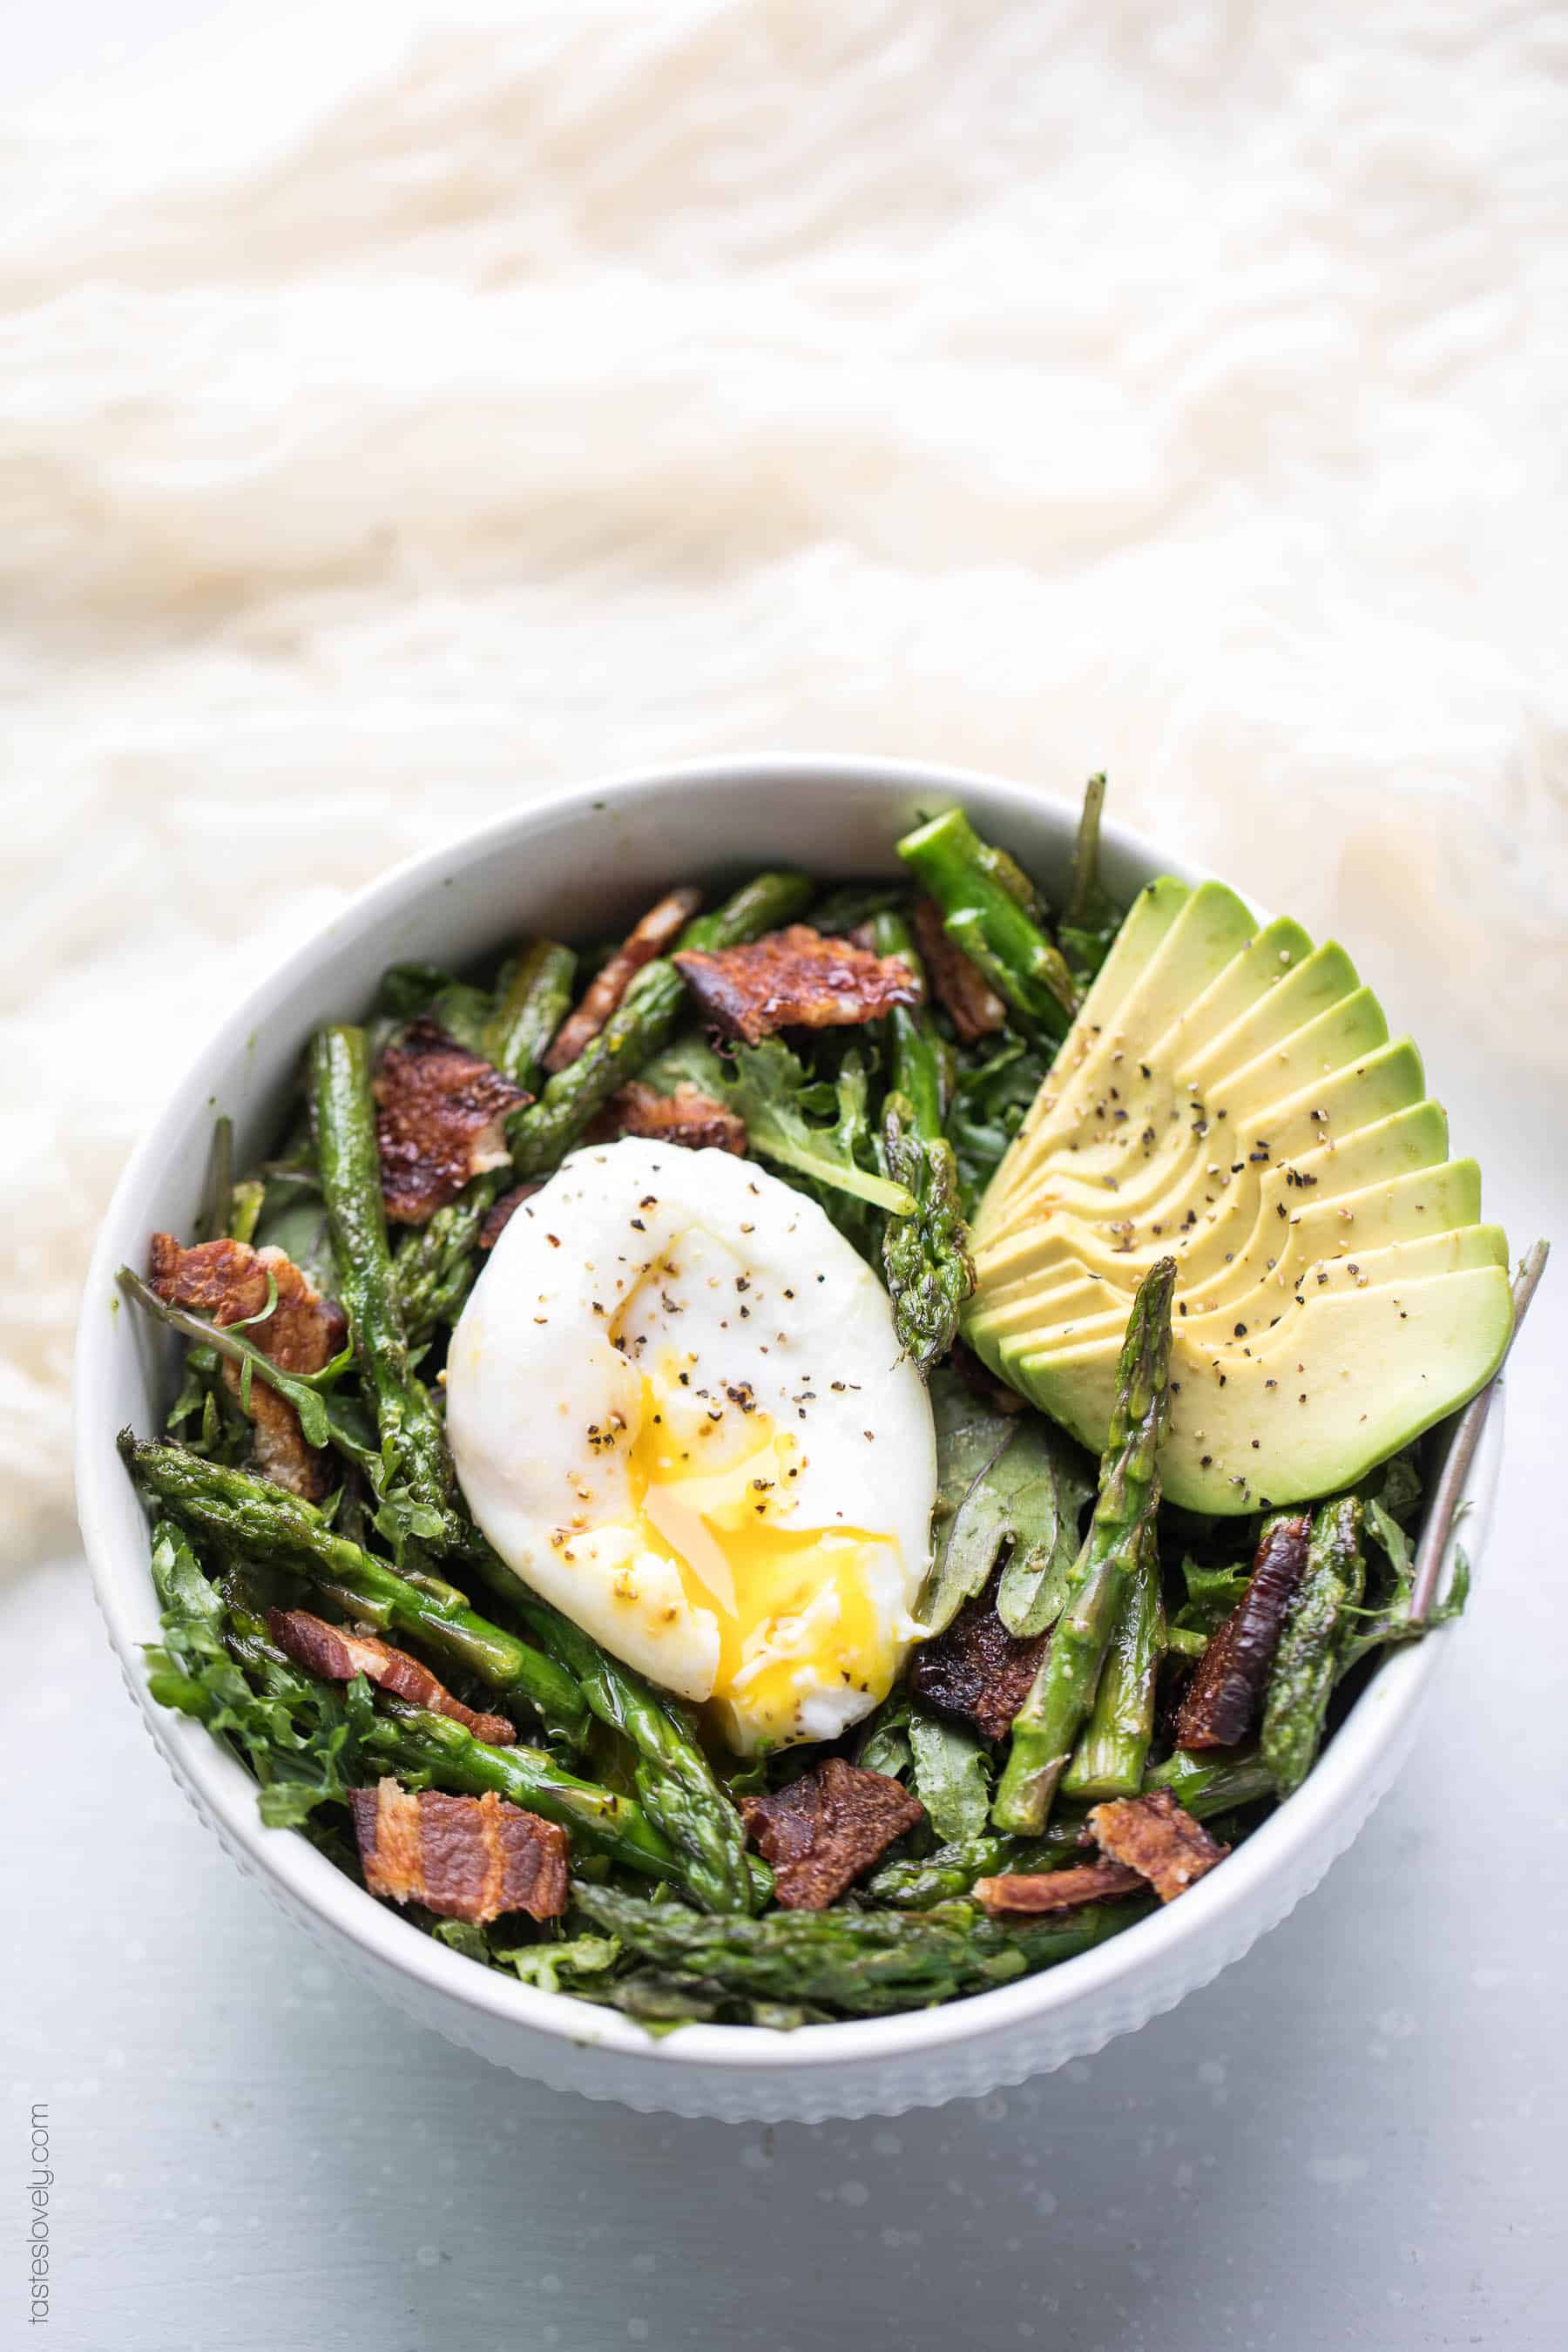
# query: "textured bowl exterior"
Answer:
x=579 y=863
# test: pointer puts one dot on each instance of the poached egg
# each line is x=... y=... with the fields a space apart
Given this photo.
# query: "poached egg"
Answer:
x=679 y=1410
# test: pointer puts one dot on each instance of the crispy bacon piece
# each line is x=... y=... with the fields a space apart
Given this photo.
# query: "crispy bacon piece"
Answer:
x=975 y=1669
x=794 y=979
x=659 y=929
x=463 y=1857
x=338 y=1655
x=1159 y=1839
x=440 y=1119
x=958 y=983
x=1024 y=1895
x=687 y=1117
x=501 y=1214
x=228 y=1280
x=825 y=1828
x=1222 y=1701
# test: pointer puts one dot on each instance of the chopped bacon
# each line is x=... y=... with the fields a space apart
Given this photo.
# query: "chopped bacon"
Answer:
x=957 y=981
x=659 y=929
x=501 y=1214
x=825 y=1828
x=338 y=1655
x=1024 y=1895
x=463 y=1857
x=1159 y=1839
x=975 y=1669
x=229 y=1281
x=686 y=1117
x=441 y=1120
x=1223 y=1700
x=795 y=979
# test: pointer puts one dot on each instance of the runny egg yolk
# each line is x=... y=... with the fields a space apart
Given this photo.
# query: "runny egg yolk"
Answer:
x=795 y=1606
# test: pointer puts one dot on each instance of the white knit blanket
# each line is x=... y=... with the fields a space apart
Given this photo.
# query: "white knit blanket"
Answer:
x=404 y=410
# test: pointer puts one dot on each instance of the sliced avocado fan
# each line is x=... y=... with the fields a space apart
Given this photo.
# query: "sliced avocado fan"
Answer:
x=1229 y=1096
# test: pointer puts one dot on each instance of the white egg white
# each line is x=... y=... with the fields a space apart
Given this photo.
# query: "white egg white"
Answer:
x=679 y=1410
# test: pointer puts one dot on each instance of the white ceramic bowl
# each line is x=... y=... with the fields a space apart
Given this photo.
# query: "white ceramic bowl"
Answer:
x=577 y=864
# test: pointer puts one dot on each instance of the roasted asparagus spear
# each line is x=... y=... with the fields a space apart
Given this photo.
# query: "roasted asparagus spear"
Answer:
x=986 y=906
x=925 y=1256
x=1063 y=1694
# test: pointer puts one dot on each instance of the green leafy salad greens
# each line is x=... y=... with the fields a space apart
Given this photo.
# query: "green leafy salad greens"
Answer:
x=894 y=1124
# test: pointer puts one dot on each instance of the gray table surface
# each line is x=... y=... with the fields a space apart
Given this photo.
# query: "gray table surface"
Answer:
x=1354 y=2138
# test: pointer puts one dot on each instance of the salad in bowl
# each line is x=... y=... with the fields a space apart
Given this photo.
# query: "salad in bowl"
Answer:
x=827 y=1453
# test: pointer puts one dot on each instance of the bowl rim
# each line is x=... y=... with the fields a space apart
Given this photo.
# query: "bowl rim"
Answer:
x=222 y=1787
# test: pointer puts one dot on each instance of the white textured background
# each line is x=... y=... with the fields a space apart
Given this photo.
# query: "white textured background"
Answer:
x=395 y=416
x=403 y=408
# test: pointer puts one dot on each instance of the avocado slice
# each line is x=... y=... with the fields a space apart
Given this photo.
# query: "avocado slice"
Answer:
x=1211 y=1321
x=1229 y=1095
x=1182 y=940
x=1221 y=1161
x=1368 y=1371
x=1069 y=1255
x=1409 y=1142
x=1407 y=1212
x=1149 y=1092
